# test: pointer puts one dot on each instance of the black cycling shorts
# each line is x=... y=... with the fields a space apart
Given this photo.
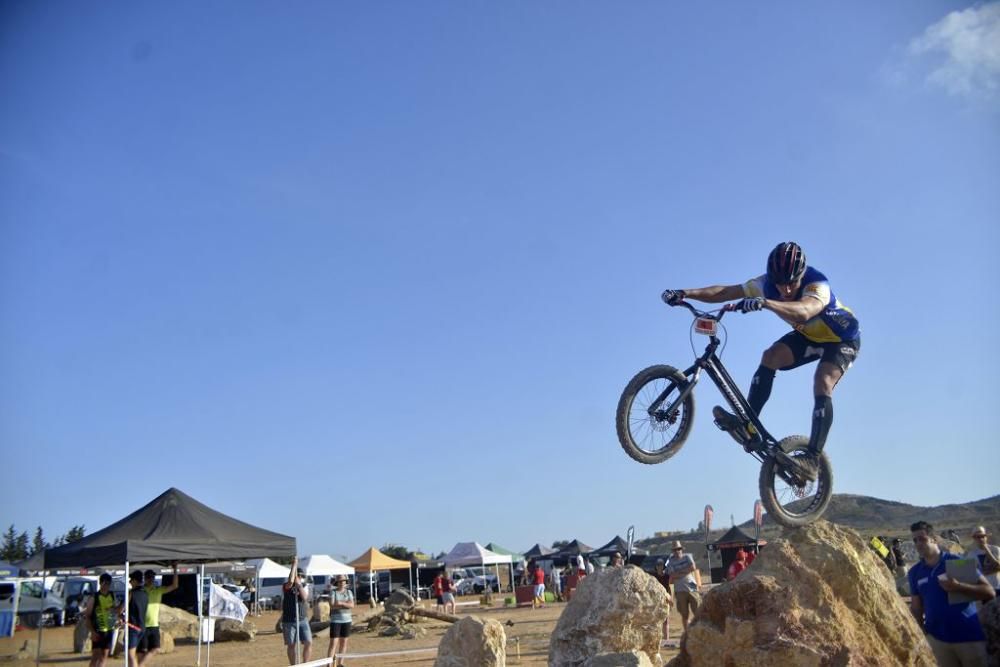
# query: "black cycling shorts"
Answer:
x=805 y=351
x=150 y=640
x=340 y=630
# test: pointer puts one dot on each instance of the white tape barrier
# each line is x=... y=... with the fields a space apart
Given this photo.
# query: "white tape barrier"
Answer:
x=348 y=656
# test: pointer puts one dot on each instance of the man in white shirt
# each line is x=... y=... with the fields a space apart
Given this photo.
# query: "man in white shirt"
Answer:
x=988 y=556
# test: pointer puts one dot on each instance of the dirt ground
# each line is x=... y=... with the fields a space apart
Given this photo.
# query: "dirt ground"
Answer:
x=528 y=635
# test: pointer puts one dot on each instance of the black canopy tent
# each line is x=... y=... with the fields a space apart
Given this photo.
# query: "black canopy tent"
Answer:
x=731 y=542
x=619 y=545
x=538 y=551
x=570 y=552
x=173 y=527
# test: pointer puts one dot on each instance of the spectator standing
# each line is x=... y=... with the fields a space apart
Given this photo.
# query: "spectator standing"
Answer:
x=898 y=557
x=555 y=577
x=737 y=566
x=581 y=567
x=538 y=578
x=150 y=643
x=138 y=602
x=686 y=578
x=617 y=560
x=438 y=591
x=99 y=613
x=590 y=566
x=988 y=556
x=448 y=593
x=953 y=630
x=660 y=573
x=295 y=614
x=341 y=604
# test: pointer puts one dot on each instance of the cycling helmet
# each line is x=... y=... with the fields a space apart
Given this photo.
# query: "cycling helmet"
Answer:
x=786 y=263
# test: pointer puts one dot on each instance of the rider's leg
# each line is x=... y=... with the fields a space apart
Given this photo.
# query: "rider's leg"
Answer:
x=777 y=356
x=826 y=378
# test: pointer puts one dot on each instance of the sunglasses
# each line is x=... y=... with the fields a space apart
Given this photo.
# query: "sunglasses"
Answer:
x=978 y=536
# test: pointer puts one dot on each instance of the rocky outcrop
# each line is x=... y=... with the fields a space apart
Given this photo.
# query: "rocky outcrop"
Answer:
x=618 y=610
x=989 y=618
x=321 y=611
x=630 y=659
x=229 y=630
x=817 y=596
x=473 y=642
x=179 y=623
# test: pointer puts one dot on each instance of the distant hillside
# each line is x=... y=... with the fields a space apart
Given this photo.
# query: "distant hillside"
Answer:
x=869 y=516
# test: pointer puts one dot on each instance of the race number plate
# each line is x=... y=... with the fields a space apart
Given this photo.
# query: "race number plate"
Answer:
x=706 y=325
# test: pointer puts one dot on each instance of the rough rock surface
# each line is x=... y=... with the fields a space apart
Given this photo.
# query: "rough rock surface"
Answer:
x=166 y=642
x=630 y=659
x=817 y=596
x=321 y=611
x=179 y=623
x=989 y=618
x=614 y=611
x=473 y=642
x=229 y=630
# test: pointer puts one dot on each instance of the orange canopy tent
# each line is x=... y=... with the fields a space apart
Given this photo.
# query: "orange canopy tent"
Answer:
x=374 y=560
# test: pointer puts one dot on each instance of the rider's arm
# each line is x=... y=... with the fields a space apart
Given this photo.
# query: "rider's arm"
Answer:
x=715 y=293
x=795 y=312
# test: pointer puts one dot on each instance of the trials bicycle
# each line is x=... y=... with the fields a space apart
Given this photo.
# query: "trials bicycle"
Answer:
x=655 y=414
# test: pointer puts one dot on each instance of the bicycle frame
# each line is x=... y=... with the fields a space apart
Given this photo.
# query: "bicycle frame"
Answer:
x=713 y=366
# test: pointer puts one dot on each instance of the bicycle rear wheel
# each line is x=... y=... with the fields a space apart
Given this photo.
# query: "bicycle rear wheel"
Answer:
x=788 y=501
x=646 y=431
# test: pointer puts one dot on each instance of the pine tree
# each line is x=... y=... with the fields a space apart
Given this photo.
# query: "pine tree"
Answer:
x=9 y=544
x=21 y=546
x=38 y=544
x=75 y=533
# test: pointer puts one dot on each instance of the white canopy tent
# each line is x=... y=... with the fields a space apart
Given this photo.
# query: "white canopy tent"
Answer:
x=323 y=565
x=473 y=553
x=266 y=569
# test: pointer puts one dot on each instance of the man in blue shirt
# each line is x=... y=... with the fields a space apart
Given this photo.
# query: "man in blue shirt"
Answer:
x=953 y=630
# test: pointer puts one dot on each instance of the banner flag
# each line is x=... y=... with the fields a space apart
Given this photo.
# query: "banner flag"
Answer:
x=758 y=518
x=709 y=512
x=224 y=604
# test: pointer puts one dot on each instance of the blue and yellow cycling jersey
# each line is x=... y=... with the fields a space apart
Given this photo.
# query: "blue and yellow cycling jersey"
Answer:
x=835 y=323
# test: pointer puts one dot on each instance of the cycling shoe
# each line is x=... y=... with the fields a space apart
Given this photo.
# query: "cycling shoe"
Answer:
x=731 y=424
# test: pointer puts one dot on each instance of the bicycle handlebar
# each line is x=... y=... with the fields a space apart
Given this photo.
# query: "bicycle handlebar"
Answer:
x=715 y=315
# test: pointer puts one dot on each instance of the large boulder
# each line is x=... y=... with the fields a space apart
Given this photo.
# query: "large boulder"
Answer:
x=817 y=596
x=166 y=642
x=321 y=610
x=229 y=630
x=989 y=618
x=473 y=642
x=630 y=659
x=617 y=610
x=179 y=623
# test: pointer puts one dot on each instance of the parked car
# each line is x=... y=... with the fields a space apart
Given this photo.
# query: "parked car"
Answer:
x=74 y=591
x=36 y=604
x=474 y=580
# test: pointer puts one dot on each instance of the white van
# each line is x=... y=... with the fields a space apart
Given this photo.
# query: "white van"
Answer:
x=35 y=602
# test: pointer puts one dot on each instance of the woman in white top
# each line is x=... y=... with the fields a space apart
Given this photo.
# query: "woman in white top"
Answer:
x=341 y=604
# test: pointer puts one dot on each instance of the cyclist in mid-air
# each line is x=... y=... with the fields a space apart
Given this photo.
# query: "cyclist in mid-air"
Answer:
x=824 y=330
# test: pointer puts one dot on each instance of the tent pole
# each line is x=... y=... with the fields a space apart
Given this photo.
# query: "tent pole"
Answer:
x=125 y=629
x=208 y=644
x=41 y=609
x=201 y=589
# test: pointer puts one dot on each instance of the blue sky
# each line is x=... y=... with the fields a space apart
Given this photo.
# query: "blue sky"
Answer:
x=377 y=272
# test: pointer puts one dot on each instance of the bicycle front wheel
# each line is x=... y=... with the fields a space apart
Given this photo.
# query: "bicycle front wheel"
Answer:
x=788 y=501
x=646 y=430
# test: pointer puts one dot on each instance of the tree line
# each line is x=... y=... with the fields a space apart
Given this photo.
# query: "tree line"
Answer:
x=18 y=546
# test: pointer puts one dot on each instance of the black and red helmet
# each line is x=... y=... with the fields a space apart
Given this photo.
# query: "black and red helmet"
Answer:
x=786 y=263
